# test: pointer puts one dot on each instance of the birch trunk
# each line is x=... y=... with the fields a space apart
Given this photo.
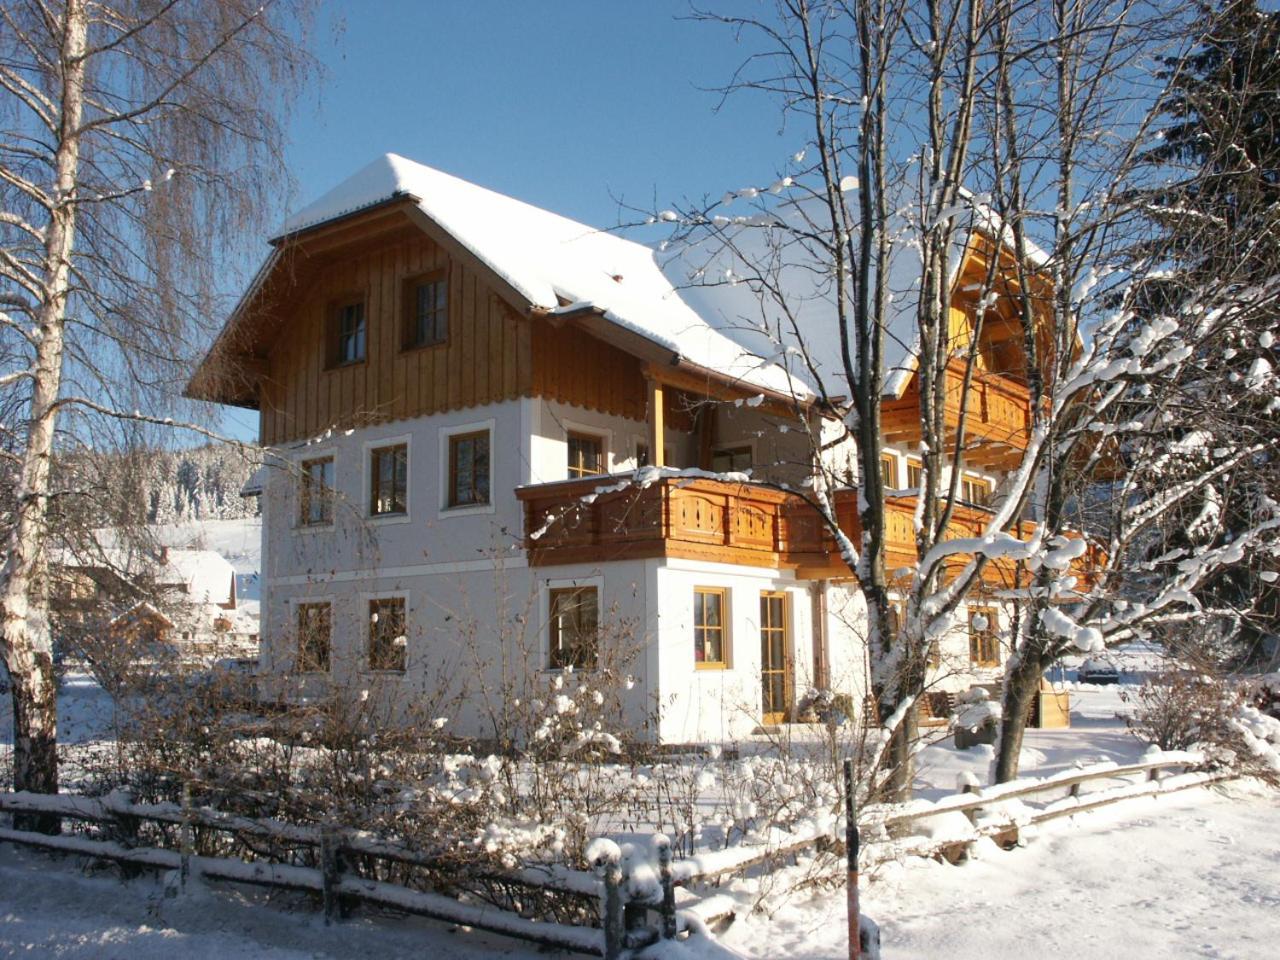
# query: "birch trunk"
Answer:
x=24 y=605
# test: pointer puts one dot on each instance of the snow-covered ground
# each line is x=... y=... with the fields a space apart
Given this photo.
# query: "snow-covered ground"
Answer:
x=1190 y=875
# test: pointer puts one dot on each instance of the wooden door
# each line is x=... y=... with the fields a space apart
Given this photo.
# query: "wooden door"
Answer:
x=775 y=658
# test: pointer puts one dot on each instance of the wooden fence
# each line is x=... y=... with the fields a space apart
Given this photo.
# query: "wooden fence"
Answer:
x=624 y=918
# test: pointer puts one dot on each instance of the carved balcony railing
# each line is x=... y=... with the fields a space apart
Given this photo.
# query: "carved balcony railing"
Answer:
x=594 y=519
x=598 y=519
x=997 y=416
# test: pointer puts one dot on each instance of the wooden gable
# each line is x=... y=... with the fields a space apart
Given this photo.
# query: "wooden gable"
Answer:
x=485 y=358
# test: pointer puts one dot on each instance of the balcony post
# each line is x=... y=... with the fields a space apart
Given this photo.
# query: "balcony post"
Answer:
x=657 y=425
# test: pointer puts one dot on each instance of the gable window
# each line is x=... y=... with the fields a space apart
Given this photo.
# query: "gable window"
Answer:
x=469 y=469
x=586 y=455
x=388 y=644
x=731 y=460
x=315 y=499
x=389 y=480
x=710 y=634
x=984 y=641
x=574 y=629
x=975 y=490
x=427 y=311
x=347 y=339
x=315 y=627
x=889 y=470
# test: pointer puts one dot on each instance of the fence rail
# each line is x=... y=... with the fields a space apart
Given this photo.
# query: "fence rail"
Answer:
x=623 y=918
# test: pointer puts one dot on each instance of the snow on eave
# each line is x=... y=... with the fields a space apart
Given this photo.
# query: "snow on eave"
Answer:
x=291 y=229
x=256 y=484
x=133 y=613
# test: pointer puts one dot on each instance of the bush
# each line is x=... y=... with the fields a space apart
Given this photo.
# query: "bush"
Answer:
x=1182 y=709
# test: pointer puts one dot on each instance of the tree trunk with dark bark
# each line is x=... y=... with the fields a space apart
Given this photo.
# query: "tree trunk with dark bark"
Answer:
x=1021 y=687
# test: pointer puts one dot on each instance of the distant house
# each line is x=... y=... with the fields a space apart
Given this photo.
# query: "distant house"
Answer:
x=468 y=399
x=175 y=595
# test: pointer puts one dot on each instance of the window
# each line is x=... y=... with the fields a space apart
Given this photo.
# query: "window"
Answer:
x=915 y=474
x=315 y=623
x=586 y=455
x=984 y=642
x=389 y=480
x=889 y=470
x=387 y=642
x=469 y=469
x=731 y=460
x=348 y=337
x=642 y=453
x=315 y=500
x=427 y=311
x=574 y=627
x=975 y=490
x=710 y=634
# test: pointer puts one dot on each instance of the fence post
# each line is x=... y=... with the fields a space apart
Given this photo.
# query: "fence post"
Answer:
x=330 y=871
x=126 y=827
x=972 y=814
x=668 y=889
x=851 y=844
x=185 y=838
x=614 y=930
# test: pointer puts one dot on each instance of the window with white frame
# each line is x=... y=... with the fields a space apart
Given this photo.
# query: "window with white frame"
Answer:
x=389 y=480
x=315 y=493
x=315 y=632
x=573 y=632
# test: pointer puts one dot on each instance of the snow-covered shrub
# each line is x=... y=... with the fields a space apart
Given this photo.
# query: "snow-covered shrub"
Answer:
x=1179 y=709
x=1196 y=709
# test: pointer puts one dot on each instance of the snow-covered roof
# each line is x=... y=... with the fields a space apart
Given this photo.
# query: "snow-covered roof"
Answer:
x=256 y=483
x=137 y=612
x=552 y=260
x=690 y=298
x=205 y=575
x=202 y=575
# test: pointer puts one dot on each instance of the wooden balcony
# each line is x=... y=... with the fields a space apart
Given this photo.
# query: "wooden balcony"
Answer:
x=597 y=519
x=997 y=419
x=900 y=555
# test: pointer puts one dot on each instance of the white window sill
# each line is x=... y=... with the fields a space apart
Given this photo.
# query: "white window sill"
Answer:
x=388 y=519
x=470 y=509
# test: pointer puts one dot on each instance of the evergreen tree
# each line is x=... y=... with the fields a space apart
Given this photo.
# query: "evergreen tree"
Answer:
x=1213 y=266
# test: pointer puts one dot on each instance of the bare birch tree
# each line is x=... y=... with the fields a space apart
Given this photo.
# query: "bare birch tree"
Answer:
x=139 y=143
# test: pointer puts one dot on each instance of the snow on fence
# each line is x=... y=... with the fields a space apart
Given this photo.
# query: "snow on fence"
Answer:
x=625 y=892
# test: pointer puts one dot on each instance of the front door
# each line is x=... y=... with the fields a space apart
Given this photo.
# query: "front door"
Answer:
x=775 y=658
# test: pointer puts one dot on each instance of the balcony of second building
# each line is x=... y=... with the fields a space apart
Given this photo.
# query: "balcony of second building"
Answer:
x=995 y=412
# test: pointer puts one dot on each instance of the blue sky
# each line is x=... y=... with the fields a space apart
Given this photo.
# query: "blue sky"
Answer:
x=562 y=103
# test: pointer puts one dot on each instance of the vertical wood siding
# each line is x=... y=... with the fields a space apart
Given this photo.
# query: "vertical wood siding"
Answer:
x=488 y=357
